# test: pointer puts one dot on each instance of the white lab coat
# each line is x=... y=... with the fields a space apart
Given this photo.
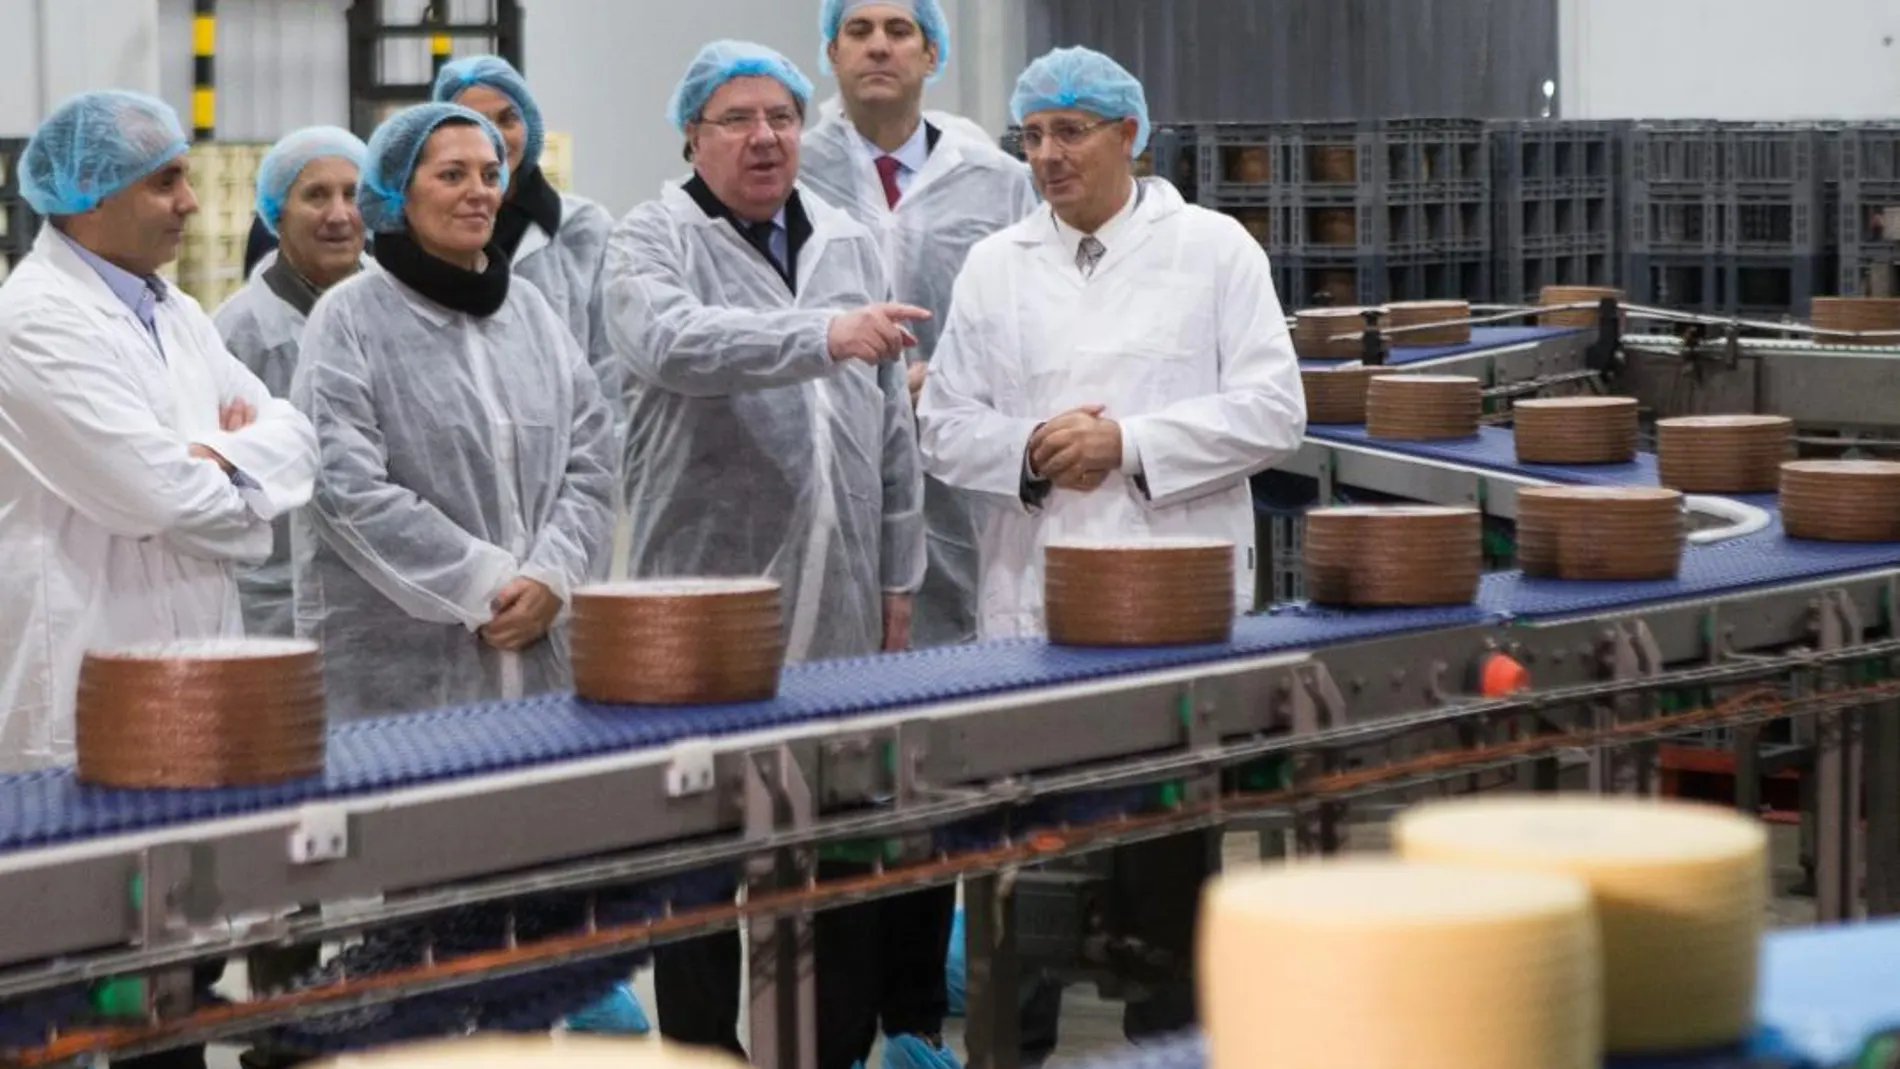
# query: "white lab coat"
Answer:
x=111 y=531
x=966 y=191
x=1179 y=333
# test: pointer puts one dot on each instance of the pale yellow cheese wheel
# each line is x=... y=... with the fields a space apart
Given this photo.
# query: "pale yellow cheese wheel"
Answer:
x=1373 y=963
x=559 y=1051
x=1681 y=893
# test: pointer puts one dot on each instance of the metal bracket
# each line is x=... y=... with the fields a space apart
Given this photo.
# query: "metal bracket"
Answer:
x=1832 y=795
x=1626 y=650
x=783 y=991
x=689 y=769
x=322 y=834
x=1317 y=704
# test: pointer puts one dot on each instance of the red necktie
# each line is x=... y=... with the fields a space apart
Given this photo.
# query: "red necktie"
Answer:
x=887 y=173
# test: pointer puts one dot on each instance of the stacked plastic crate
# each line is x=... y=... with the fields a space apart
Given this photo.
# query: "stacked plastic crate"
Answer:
x=1727 y=217
x=1866 y=208
x=211 y=261
x=18 y=224
x=557 y=159
x=1358 y=213
x=1554 y=197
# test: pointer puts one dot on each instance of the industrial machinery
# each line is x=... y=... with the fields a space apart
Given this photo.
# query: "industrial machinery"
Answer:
x=490 y=866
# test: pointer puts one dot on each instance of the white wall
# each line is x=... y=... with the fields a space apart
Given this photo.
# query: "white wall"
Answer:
x=1729 y=59
x=52 y=49
x=281 y=65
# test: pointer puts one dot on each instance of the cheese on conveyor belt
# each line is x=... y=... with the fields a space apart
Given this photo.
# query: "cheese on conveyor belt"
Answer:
x=1681 y=893
x=1378 y=964
x=537 y=1052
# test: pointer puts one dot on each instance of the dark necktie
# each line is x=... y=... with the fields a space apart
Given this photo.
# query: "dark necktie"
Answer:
x=762 y=237
x=887 y=173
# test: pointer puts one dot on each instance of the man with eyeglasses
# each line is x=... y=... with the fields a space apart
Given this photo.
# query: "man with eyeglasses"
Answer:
x=770 y=433
x=1113 y=367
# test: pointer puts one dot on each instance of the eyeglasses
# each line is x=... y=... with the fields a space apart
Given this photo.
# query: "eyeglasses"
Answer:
x=742 y=123
x=1061 y=135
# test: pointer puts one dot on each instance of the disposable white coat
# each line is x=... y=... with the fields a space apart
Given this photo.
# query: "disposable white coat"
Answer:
x=1179 y=333
x=749 y=450
x=111 y=532
x=262 y=330
x=458 y=452
x=565 y=267
x=968 y=190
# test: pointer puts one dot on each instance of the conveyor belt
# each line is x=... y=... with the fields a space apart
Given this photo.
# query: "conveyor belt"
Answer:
x=1482 y=338
x=1825 y=993
x=42 y=808
x=1765 y=558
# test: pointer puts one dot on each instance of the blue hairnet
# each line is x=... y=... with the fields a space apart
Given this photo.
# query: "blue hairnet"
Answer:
x=95 y=145
x=721 y=62
x=1084 y=79
x=393 y=151
x=928 y=13
x=500 y=75
x=289 y=156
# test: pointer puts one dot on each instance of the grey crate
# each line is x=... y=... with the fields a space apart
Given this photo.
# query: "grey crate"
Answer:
x=1861 y=239
x=1676 y=220
x=1682 y=152
x=1523 y=277
x=1319 y=278
x=1868 y=152
x=1288 y=537
x=1726 y=285
x=18 y=227
x=11 y=149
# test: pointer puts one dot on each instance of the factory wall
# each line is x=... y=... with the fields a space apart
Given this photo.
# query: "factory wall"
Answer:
x=1729 y=59
x=1243 y=60
x=51 y=49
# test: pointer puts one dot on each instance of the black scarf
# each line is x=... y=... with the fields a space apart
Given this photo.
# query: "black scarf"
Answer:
x=531 y=200
x=480 y=294
x=289 y=286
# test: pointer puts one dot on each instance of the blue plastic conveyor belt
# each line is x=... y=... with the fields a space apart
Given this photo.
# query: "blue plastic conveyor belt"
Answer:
x=1482 y=338
x=1825 y=994
x=1767 y=557
x=42 y=808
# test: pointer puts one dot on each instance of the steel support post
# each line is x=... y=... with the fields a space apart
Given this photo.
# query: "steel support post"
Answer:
x=784 y=1006
x=993 y=980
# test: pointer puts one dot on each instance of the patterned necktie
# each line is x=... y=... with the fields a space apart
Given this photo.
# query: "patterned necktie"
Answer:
x=1088 y=254
x=887 y=173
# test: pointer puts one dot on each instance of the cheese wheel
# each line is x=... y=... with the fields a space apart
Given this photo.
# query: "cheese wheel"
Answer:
x=1681 y=892
x=561 y=1051
x=1373 y=962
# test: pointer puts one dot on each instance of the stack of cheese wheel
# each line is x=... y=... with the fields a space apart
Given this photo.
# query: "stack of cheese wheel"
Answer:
x=1338 y=394
x=1680 y=889
x=1251 y=165
x=1393 y=555
x=1599 y=532
x=1841 y=500
x=1363 y=963
x=205 y=713
x=1423 y=407
x=1331 y=333
x=1574 y=317
x=1332 y=163
x=1149 y=592
x=1450 y=316
x=1576 y=430
x=1332 y=226
x=1722 y=454
x=568 y=1050
x=1841 y=318
x=677 y=641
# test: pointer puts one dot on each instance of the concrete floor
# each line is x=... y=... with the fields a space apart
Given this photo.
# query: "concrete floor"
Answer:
x=1092 y=1027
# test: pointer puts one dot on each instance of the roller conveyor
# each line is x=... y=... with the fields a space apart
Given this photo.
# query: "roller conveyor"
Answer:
x=1825 y=994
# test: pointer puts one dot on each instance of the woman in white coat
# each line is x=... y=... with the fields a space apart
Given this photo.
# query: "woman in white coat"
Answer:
x=140 y=463
x=467 y=460
x=554 y=240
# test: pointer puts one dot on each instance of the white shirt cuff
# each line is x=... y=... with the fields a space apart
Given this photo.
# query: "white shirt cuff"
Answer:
x=1131 y=455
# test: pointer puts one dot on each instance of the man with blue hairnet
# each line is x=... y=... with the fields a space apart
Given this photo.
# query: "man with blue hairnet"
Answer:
x=140 y=462
x=306 y=197
x=928 y=190
x=1115 y=366
x=770 y=433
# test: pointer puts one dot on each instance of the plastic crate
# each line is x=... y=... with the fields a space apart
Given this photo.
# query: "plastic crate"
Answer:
x=1522 y=277
x=1726 y=285
x=1688 y=153
x=11 y=148
x=19 y=225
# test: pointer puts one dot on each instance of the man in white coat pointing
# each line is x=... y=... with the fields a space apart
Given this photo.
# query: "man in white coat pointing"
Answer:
x=139 y=461
x=1114 y=366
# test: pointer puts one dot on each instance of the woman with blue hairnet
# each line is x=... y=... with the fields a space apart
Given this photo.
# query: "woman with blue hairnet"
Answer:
x=554 y=240
x=140 y=464
x=306 y=197
x=466 y=451
x=1115 y=366
x=770 y=434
